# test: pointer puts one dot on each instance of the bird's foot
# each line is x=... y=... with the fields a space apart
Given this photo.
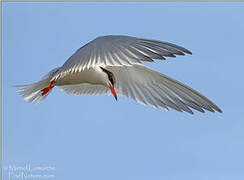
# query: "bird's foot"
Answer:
x=47 y=89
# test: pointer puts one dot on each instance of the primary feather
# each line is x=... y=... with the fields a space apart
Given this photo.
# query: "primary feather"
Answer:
x=116 y=50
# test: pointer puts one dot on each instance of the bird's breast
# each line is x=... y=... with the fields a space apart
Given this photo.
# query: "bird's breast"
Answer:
x=91 y=75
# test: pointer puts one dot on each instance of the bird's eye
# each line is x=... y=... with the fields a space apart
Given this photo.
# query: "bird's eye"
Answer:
x=110 y=75
x=111 y=79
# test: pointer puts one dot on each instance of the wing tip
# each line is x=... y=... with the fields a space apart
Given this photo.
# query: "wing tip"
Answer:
x=218 y=110
x=188 y=52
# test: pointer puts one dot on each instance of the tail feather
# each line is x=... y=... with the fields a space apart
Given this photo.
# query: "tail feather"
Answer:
x=33 y=92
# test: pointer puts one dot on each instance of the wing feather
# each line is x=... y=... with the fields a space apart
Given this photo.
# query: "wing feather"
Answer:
x=152 y=88
x=165 y=44
x=85 y=88
x=172 y=100
x=115 y=50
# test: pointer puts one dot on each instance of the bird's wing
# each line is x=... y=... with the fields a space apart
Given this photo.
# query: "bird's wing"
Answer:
x=85 y=88
x=152 y=88
x=116 y=50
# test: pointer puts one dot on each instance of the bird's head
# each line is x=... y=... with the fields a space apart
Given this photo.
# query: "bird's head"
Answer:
x=110 y=81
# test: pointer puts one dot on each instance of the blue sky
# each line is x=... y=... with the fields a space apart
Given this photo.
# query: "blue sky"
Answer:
x=96 y=137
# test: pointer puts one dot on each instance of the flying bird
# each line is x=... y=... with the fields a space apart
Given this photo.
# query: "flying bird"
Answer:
x=113 y=65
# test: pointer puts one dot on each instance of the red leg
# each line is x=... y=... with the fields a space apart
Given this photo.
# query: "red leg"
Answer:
x=46 y=90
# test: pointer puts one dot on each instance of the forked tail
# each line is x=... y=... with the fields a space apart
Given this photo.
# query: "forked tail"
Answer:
x=36 y=92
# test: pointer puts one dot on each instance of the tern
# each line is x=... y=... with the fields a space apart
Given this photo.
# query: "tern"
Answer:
x=112 y=64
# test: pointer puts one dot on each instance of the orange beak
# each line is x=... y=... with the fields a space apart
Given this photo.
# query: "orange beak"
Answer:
x=113 y=91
